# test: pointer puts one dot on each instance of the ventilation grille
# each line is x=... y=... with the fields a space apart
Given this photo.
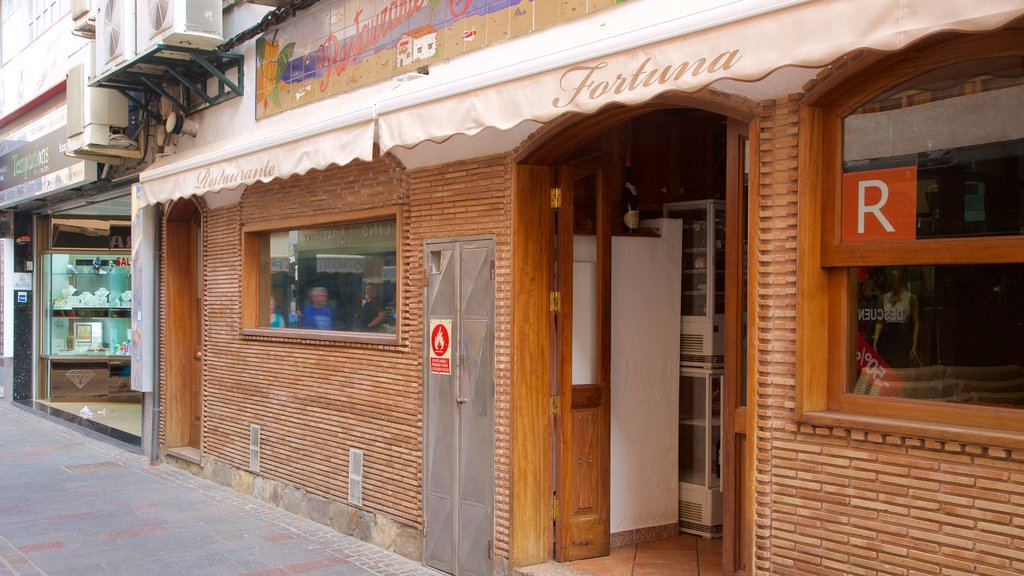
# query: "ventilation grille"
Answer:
x=254 y=448
x=702 y=361
x=355 y=476
x=701 y=529
x=690 y=512
x=691 y=344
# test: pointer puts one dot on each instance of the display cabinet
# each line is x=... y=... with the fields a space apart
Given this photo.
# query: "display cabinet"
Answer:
x=87 y=305
x=702 y=339
x=700 y=457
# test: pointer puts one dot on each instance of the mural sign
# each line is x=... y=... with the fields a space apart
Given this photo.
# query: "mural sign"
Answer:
x=348 y=44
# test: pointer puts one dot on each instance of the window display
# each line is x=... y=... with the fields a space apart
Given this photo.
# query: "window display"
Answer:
x=88 y=302
x=337 y=278
x=941 y=333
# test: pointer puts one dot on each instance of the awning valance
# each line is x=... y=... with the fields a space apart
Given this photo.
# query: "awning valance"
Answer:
x=744 y=41
x=308 y=141
x=617 y=56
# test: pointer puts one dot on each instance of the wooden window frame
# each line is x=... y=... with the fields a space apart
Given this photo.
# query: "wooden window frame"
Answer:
x=252 y=235
x=824 y=284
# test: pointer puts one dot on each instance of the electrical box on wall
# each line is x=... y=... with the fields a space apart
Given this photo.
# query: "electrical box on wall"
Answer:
x=191 y=23
x=97 y=119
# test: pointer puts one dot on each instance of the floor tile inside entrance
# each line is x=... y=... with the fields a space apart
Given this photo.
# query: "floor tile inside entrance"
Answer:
x=683 y=555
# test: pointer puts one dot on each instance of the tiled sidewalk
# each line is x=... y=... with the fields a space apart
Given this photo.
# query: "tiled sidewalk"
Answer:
x=72 y=505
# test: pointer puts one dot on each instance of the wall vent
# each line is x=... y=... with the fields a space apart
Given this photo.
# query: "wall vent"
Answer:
x=355 y=476
x=254 y=448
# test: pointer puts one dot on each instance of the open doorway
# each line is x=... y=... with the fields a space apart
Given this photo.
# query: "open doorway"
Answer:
x=646 y=354
x=183 y=396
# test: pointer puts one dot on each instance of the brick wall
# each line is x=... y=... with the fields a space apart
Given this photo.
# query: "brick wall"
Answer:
x=838 y=501
x=314 y=400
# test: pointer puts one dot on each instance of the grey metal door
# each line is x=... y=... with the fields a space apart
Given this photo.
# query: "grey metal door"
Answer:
x=458 y=447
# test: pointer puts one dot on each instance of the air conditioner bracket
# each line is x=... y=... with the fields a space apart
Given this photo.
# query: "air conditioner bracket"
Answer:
x=190 y=68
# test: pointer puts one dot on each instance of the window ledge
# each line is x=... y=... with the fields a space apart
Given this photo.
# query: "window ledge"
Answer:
x=915 y=428
x=319 y=336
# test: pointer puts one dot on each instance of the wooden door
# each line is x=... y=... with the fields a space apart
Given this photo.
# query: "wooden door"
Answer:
x=183 y=345
x=582 y=363
x=736 y=546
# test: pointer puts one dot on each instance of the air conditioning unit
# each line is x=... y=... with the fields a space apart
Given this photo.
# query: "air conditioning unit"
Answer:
x=84 y=15
x=97 y=119
x=189 y=23
x=115 y=33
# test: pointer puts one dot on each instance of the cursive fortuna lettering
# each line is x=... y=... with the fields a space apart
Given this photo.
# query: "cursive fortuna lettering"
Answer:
x=584 y=81
x=210 y=180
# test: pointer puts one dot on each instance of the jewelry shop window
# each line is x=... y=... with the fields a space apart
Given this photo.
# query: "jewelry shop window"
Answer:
x=337 y=279
x=922 y=241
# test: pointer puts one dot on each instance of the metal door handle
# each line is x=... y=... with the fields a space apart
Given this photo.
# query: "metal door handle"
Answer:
x=199 y=355
x=461 y=399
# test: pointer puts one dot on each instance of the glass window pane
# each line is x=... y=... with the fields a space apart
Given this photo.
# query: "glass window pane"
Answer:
x=959 y=133
x=941 y=333
x=337 y=278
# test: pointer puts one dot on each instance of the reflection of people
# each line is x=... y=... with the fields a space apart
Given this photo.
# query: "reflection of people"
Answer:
x=372 y=314
x=276 y=320
x=896 y=331
x=316 y=315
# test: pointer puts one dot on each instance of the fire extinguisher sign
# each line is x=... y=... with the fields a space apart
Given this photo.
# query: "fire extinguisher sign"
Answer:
x=440 y=347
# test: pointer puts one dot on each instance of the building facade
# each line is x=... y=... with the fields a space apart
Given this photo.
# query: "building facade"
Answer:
x=581 y=278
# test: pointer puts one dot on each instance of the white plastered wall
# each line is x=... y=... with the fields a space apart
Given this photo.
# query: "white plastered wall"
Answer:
x=645 y=378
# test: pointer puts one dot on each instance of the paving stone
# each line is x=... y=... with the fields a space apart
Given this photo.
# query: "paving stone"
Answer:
x=78 y=506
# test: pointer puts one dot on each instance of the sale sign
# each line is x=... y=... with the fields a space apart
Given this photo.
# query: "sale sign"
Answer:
x=880 y=204
x=440 y=347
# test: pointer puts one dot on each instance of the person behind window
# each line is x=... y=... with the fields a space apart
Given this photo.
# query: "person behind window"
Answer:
x=316 y=315
x=276 y=320
x=371 y=315
x=896 y=331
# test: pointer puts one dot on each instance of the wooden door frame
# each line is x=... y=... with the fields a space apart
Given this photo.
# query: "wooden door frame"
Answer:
x=532 y=425
x=182 y=323
x=736 y=547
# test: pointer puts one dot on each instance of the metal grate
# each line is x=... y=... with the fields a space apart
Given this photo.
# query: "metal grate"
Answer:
x=690 y=512
x=355 y=476
x=254 y=448
x=94 y=468
x=691 y=344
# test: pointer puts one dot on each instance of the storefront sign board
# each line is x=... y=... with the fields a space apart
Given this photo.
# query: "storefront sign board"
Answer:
x=35 y=166
x=880 y=205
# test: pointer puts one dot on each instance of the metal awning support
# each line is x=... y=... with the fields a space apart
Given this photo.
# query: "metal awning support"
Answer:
x=162 y=66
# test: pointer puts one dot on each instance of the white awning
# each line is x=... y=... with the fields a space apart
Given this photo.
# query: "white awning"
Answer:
x=744 y=41
x=293 y=145
x=759 y=48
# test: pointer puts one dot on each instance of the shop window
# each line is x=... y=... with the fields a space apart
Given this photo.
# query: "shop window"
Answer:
x=914 y=269
x=333 y=280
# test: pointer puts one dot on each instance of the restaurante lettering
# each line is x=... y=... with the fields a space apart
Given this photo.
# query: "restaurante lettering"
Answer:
x=211 y=180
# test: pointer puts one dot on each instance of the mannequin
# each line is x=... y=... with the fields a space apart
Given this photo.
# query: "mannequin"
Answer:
x=896 y=332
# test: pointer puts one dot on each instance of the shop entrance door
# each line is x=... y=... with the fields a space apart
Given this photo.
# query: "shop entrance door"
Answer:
x=184 y=397
x=582 y=363
x=458 y=447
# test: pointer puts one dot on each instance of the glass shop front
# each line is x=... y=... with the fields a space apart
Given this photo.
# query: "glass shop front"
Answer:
x=85 y=320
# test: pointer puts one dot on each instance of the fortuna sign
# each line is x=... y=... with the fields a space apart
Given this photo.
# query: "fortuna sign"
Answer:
x=208 y=179
x=588 y=81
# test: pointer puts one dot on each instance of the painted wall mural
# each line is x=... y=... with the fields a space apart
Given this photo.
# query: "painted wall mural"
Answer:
x=346 y=44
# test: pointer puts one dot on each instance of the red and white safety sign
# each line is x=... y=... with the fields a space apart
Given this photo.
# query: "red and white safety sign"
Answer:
x=440 y=347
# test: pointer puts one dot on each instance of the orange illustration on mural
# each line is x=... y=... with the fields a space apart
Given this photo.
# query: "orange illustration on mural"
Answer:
x=273 y=61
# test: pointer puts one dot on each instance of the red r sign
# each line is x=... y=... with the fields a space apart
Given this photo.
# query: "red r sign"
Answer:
x=880 y=205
